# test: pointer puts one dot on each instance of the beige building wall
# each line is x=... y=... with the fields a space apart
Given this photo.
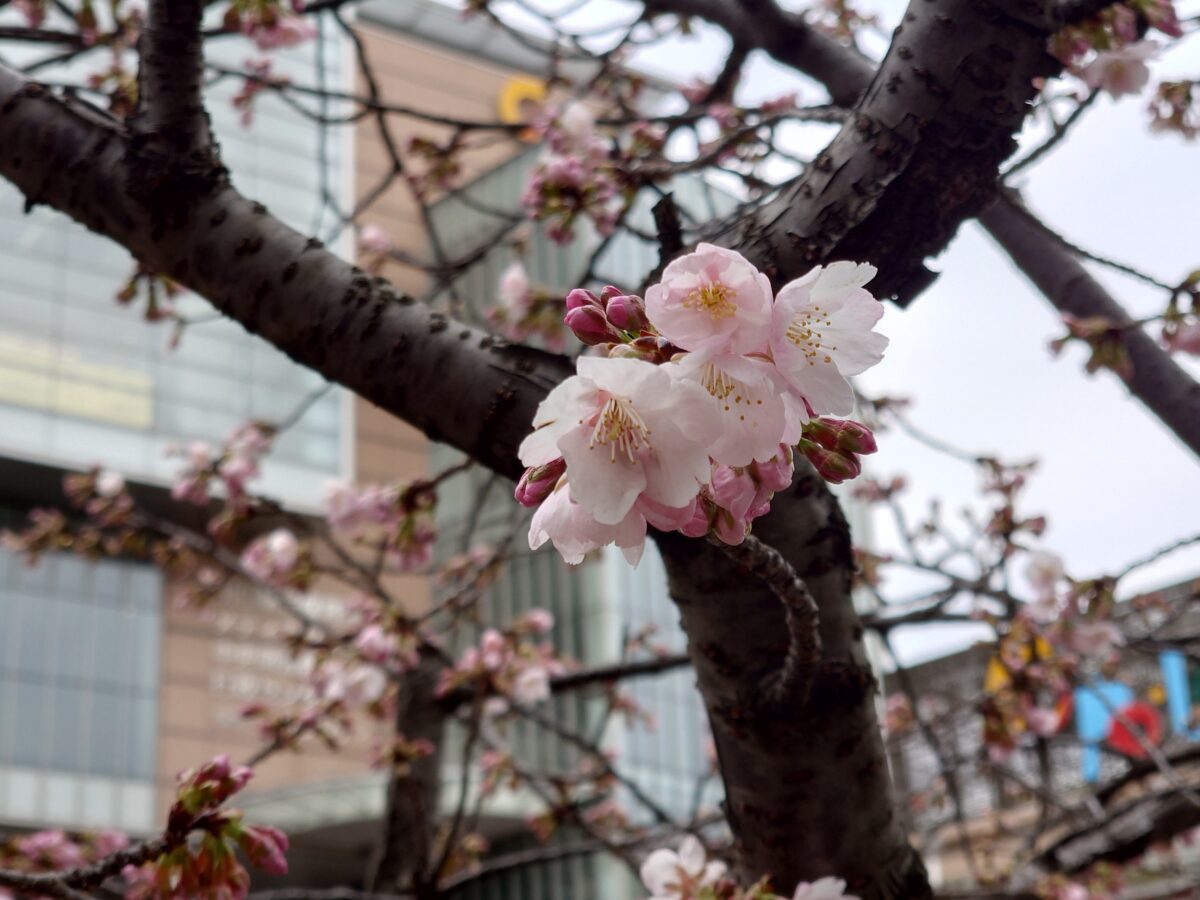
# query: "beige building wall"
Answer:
x=214 y=663
x=425 y=77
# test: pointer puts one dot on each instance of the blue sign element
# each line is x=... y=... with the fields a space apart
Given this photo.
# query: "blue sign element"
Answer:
x=1094 y=707
x=1179 y=693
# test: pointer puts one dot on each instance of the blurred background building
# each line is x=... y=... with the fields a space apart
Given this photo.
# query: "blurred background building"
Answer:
x=973 y=805
x=108 y=687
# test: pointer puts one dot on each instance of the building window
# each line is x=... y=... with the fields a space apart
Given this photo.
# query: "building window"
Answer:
x=79 y=659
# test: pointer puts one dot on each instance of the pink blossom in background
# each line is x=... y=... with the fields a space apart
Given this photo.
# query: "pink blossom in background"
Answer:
x=51 y=848
x=283 y=31
x=374 y=239
x=531 y=686
x=272 y=557
x=1122 y=71
x=514 y=287
x=574 y=532
x=109 y=483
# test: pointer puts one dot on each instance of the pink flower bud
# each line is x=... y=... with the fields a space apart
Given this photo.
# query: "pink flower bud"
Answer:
x=841 y=434
x=538 y=481
x=589 y=324
x=834 y=466
x=265 y=846
x=626 y=311
x=581 y=297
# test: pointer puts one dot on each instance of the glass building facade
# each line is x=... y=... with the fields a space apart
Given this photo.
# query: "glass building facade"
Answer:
x=85 y=381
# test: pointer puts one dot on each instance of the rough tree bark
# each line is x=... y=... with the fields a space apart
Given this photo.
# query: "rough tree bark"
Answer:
x=807 y=787
x=846 y=74
x=921 y=152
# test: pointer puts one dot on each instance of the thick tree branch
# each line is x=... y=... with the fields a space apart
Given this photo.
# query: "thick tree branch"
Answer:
x=806 y=785
x=323 y=312
x=1155 y=379
x=919 y=155
x=790 y=684
x=171 y=118
x=411 y=817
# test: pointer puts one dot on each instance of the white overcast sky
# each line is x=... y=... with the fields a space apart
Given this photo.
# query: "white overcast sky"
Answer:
x=972 y=351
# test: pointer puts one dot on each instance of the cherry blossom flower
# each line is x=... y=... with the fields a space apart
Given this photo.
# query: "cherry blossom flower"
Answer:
x=531 y=685
x=109 y=483
x=374 y=239
x=821 y=333
x=539 y=621
x=514 y=287
x=1121 y=71
x=575 y=532
x=1044 y=571
x=51 y=848
x=282 y=31
x=712 y=300
x=671 y=875
x=353 y=685
x=1184 y=339
x=272 y=557
x=626 y=428
x=747 y=397
x=823 y=889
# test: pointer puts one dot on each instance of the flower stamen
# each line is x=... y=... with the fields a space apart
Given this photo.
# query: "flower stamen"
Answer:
x=803 y=332
x=713 y=298
x=621 y=427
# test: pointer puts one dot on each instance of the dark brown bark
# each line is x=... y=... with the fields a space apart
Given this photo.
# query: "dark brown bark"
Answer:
x=323 y=312
x=409 y=830
x=807 y=788
x=171 y=120
x=921 y=152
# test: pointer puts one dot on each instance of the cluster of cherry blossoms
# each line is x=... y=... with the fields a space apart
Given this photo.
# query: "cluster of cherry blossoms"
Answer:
x=54 y=850
x=689 y=421
x=508 y=665
x=203 y=840
x=399 y=517
x=526 y=312
x=1108 y=52
x=687 y=874
x=576 y=176
x=271 y=24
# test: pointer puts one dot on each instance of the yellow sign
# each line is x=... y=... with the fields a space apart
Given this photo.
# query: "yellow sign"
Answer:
x=997 y=676
x=520 y=97
x=55 y=377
